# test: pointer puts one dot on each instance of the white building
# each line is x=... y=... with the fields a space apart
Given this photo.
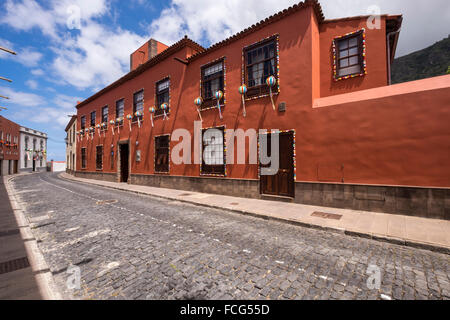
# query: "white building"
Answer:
x=71 y=145
x=33 y=150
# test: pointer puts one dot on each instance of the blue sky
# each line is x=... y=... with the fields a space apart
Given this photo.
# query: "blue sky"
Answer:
x=57 y=65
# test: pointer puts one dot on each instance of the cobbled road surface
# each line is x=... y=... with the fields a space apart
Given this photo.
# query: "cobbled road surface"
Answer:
x=129 y=246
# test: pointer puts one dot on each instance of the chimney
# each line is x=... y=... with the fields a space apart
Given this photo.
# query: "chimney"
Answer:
x=148 y=51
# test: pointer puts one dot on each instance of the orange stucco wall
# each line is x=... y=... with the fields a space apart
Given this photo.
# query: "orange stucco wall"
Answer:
x=396 y=140
x=376 y=57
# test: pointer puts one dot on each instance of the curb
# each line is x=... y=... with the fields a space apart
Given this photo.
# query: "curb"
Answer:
x=380 y=238
x=44 y=278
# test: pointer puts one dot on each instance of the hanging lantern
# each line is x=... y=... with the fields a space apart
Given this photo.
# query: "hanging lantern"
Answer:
x=219 y=96
x=103 y=125
x=198 y=102
x=98 y=129
x=118 y=120
x=112 y=123
x=152 y=111
x=243 y=91
x=129 y=117
x=138 y=115
x=165 y=107
x=271 y=82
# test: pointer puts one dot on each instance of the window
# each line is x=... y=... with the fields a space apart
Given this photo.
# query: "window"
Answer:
x=162 y=154
x=349 y=55
x=99 y=157
x=212 y=81
x=105 y=115
x=213 y=161
x=119 y=110
x=93 y=113
x=138 y=104
x=162 y=95
x=83 y=122
x=260 y=63
x=83 y=158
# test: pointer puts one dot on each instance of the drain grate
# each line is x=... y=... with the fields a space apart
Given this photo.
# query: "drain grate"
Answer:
x=185 y=194
x=9 y=232
x=103 y=202
x=324 y=215
x=234 y=203
x=14 y=265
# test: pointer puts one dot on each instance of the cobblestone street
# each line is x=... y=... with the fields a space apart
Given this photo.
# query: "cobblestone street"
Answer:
x=136 y=247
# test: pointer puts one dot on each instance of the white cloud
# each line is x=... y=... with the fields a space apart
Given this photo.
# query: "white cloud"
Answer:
x=424 y=22
x=23 y=99
x=66 y=102
x=37 y=72
x=94 y=56
x=32 y=84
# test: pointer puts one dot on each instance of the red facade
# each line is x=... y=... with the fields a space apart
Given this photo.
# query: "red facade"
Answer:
x=367 y=141
x=9 y=146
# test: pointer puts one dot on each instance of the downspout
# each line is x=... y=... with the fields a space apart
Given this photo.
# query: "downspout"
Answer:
x=389 y=54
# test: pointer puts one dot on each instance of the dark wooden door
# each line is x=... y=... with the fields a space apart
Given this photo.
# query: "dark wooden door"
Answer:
x=282 y=183
x=124 y=165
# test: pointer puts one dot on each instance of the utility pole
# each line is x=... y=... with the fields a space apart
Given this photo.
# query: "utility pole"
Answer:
x=7 y=50
x=6 y=79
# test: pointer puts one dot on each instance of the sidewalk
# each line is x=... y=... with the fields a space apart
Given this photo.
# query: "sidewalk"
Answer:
x=17 y=280
x=411 y=231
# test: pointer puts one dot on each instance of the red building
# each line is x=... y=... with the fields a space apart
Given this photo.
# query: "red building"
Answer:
x=347 y=138
x=9 y=147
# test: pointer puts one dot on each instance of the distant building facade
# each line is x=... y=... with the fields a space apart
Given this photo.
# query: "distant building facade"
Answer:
x=33 y=150
x=9 y=147
x=71 y=145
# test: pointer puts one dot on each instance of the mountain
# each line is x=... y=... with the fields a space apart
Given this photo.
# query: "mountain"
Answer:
x=429 y=62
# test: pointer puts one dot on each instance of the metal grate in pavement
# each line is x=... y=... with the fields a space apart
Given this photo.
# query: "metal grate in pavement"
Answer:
x=324 y=215
x=185 y=194
x=14 y=265
x=9 y=232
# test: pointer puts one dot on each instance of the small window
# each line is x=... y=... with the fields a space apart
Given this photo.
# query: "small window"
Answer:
x=213 y=161
x=260 y=63
x=212 y=81
x=162 y=154
x=138 y=104
x=93 y=114
x=349 y=55
x=105 y=115
x=119 y=111
x=83 y=158
x=99 y=157
x=83 y=122
x=162 y=95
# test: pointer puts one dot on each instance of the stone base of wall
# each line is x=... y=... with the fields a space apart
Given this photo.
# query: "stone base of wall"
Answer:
x=412 y=201
x=111 y=177
x=215 y=185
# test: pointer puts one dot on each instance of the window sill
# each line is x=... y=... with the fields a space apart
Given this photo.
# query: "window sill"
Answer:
x=164 y=173
x=212 y=107
x=161 y=115
x=213 y=175
x=265 y=95
x=350 y=76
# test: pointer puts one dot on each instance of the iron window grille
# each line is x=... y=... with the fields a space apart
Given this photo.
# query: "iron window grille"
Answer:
x=93 y=115
x=120 y=104
x=260 y=63
x=83 y=158
x=213 y=162
x=105 y=111
x=138 y=104
x=99 y=158
x=162 y=96
x=212 y=81
x=162 y=154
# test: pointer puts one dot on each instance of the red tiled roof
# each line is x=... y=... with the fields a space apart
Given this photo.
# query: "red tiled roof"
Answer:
x=158 y=58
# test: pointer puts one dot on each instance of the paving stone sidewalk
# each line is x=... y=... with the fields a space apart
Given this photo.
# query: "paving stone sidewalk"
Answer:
x=431 y=234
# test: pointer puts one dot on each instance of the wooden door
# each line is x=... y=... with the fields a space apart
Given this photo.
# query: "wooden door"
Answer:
x=282 y=183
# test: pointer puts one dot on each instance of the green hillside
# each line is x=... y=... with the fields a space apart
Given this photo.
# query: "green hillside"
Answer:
x=429 y=62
